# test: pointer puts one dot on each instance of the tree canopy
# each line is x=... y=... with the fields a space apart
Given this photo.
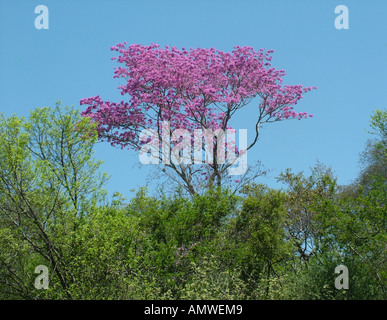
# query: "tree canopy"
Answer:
x=261 y=243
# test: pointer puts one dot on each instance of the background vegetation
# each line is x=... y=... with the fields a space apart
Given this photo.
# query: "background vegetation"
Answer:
x=261 y=243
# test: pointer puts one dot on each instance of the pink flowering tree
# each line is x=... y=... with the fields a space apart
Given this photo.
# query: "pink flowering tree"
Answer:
x=190 y=90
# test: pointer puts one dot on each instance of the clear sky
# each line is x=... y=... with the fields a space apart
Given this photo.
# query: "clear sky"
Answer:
x=71 y=60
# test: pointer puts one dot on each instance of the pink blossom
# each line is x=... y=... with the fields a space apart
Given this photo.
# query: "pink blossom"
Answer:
x=190 y=88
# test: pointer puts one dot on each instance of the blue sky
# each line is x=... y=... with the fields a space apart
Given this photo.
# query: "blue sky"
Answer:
x=71 y=60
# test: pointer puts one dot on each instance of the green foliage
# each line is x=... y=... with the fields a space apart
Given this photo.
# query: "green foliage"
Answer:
x=262 y=244
x=211 y=281
x=48 y=183
x=374 y=157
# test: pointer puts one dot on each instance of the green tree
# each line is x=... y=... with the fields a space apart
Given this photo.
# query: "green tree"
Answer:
x=259 y=238
x=342 y=228
x=48 y=183
x=374 y=157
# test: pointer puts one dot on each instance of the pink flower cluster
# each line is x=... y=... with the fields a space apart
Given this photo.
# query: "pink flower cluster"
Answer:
x=196 y=88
